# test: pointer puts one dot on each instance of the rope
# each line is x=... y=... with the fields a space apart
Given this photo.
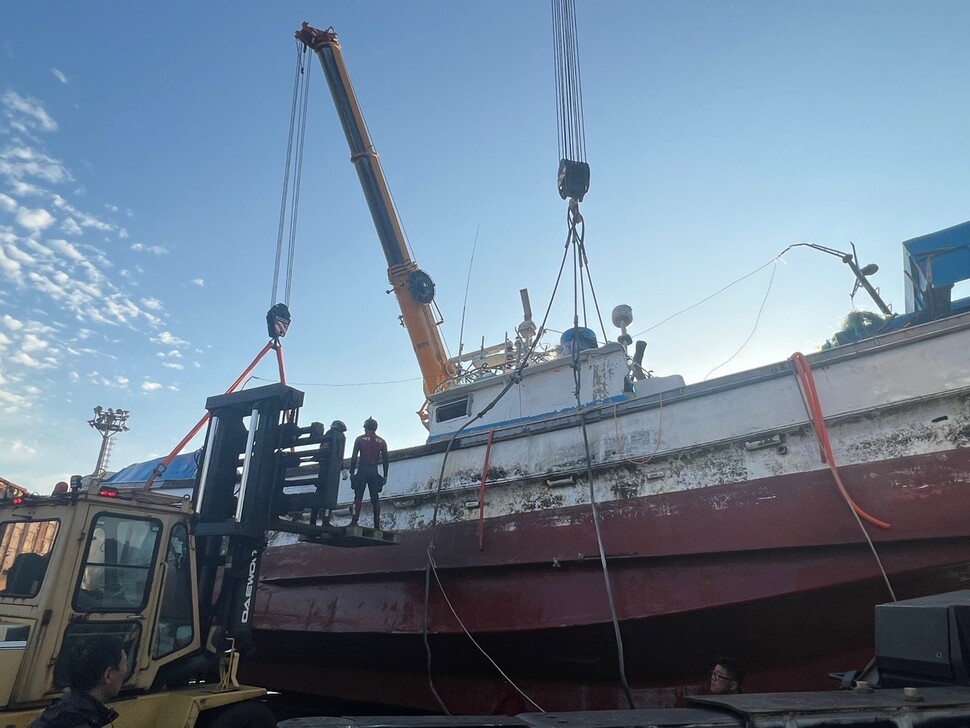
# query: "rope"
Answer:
x=293 y=170
x=806 y=380
x=514 y=378
x=434 y=569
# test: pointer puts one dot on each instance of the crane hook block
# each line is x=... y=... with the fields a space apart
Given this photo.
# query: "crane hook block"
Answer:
x=277 y=321
x=573 y=179
x=420 y=286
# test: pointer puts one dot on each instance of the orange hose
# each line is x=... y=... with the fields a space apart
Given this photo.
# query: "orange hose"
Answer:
x=806 y=378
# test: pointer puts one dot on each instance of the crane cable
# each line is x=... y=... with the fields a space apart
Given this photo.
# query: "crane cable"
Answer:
x=572 y=130
x=293 y=171
x=515 y=377
x=573 y=182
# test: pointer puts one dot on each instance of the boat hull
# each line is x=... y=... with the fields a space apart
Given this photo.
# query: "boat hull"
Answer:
x=774 y=572
x=721 y=529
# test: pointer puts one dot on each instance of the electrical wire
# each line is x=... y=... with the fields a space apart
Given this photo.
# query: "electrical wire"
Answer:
x=348 y=384
x=464 y=303
x=757 y=320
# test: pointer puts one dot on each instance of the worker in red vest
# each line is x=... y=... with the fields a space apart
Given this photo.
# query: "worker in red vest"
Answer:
x=369 y=449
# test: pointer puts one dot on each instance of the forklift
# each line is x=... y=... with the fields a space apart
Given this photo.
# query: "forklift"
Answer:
x=175 y=578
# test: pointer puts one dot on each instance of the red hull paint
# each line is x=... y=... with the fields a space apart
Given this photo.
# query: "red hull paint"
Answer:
x=773 y=571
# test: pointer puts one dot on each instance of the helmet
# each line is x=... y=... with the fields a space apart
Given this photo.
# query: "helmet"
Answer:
x=370 y=424
x=338 y=425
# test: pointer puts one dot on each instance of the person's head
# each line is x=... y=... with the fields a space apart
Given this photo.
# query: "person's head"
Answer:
x=60 y=488
x=370 y=425
x=727 y=676
x=98 y=665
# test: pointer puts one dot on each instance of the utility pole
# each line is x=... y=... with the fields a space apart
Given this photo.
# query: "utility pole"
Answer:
x=108 y=422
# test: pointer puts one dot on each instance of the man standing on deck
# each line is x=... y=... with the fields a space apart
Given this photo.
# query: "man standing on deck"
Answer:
x=369 y=448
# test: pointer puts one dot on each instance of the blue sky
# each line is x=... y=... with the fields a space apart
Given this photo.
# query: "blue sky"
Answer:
x=142 y=154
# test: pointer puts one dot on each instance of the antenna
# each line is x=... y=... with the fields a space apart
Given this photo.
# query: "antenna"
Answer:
x=527 y=329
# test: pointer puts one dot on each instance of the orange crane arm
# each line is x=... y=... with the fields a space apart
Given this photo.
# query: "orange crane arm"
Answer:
x=412 y=286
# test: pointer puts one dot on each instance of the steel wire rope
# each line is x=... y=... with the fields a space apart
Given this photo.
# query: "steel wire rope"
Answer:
x=514 y=377
x=297 y=186
x=570 y=122
x=286 y=171
x=577 y=378
x=434 y=568
x=574 y=216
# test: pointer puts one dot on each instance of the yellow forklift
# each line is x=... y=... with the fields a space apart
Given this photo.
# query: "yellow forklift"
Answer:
x=174 y=577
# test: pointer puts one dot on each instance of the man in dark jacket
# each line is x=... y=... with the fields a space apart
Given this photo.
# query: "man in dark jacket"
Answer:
x=97 y=668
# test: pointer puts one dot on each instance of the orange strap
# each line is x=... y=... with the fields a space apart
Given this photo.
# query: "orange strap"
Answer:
x=806 y=379
x=163 y=466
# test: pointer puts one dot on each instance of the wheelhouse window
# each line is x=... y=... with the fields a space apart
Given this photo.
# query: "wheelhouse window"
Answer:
x=117 y=564
x=452 y=409
x=25 y=548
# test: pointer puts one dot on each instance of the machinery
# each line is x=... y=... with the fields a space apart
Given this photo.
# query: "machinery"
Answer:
x=174 y=578
x=412 y=286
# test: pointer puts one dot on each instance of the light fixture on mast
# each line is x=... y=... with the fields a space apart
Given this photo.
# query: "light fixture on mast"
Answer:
x=108 y=422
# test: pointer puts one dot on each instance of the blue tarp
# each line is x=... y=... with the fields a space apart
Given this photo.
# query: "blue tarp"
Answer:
x=182 y=469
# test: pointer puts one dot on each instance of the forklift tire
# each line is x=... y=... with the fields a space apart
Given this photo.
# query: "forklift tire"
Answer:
x=247 y=714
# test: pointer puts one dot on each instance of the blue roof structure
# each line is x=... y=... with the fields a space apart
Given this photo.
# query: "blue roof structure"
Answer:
x=938 y=259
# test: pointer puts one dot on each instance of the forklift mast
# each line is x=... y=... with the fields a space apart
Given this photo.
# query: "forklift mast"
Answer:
x=255 y=431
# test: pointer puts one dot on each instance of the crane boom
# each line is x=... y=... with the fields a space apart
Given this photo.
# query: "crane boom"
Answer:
x=412 y=286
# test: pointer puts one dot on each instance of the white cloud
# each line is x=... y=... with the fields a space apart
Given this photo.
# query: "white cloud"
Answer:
x=7 y=204
x=150 y=386
x=169 y=339
x=33 y=344
x=155 y=249
x=173 y=365
x=35 y=220
x=152 y=304
x=4 y=339
x=25 y=360
x=16 y=163
x=73 y=376
x=11 y=323
x=71 y=227
x=26 y=114
x=10 y=267
x=199 y=282
x=59 y=75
